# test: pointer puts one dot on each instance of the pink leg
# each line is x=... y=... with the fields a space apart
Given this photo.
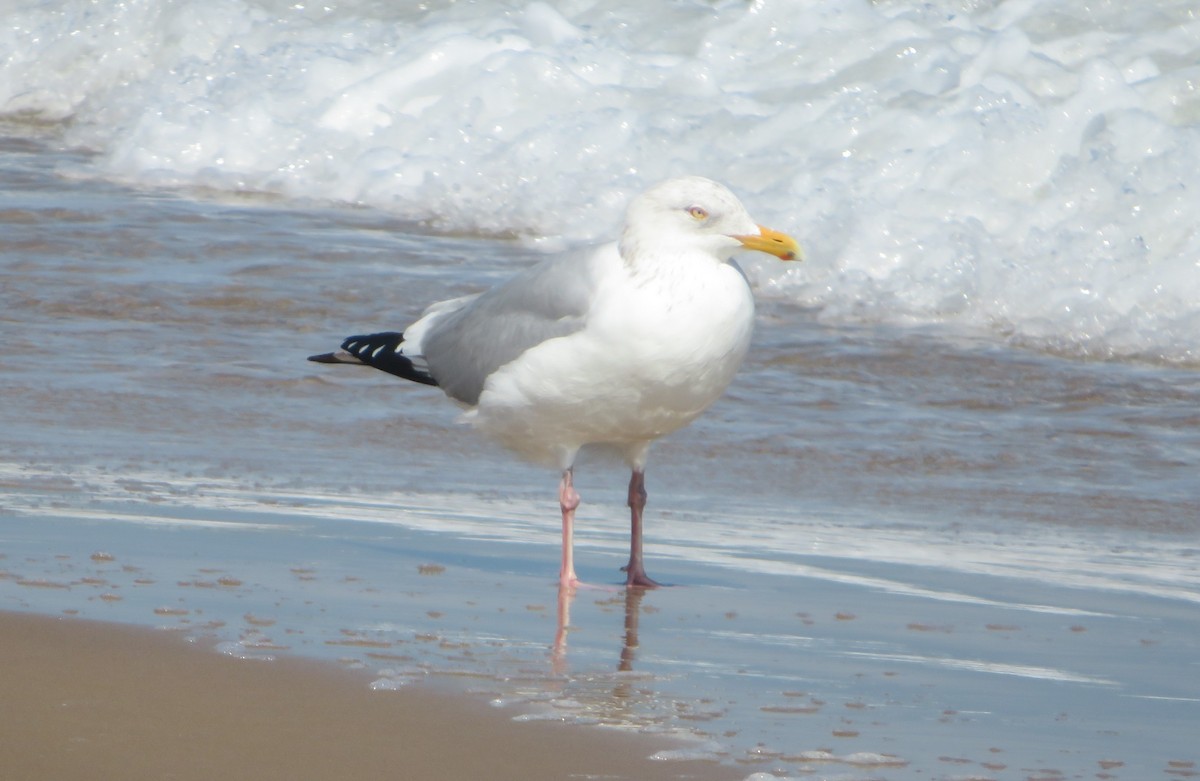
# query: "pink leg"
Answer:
x=635 y=570
x=568 y=500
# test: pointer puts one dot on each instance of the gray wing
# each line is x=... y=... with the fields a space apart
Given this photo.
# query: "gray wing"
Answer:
x=464 y=346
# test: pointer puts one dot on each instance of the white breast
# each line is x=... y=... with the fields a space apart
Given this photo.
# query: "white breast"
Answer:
x=657 y=350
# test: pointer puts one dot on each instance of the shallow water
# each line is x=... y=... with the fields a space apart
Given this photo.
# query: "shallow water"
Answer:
x=898 y=553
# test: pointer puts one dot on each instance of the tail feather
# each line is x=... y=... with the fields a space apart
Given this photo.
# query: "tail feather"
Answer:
x=380 y=351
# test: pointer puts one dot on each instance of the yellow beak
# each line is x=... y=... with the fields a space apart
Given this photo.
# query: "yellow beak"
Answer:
x=774 y=243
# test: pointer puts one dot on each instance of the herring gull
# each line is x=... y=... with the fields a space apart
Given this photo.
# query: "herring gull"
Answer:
x=616 y=348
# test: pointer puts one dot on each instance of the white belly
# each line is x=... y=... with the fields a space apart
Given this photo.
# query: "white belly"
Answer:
x=635 y=373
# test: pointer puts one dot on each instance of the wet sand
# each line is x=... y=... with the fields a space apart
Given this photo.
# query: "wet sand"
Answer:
x=97 y=701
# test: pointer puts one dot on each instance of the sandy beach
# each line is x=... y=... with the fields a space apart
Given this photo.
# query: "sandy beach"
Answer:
x=96 y=702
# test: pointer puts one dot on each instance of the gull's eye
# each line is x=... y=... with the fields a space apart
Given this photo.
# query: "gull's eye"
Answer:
x=698 y=212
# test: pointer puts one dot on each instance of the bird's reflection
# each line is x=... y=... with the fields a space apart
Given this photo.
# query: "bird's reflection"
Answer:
x=633 y=610
x=558 y=654
x=624 y=697
x=624 y=688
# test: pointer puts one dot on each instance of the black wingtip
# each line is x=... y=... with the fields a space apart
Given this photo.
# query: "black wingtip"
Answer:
x=380 y=351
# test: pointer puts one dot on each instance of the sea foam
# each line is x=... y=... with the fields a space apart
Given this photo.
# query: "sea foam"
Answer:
x=1028 y=170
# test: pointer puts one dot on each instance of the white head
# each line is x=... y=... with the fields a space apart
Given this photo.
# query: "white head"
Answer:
x=694 y=213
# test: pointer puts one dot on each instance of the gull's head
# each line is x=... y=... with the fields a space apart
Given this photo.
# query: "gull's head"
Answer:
x=694 y=213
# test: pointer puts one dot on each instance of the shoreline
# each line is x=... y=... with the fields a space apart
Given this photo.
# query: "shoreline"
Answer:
x=86 y=699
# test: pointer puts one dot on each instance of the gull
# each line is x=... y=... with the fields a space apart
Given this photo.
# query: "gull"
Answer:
x=614 y=348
